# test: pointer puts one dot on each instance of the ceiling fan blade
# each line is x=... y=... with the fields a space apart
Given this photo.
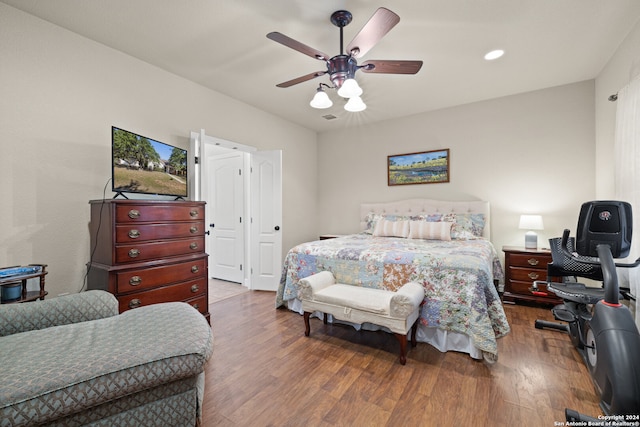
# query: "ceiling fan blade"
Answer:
x=382 y=21
x=302 y=79
x=391 y=67
x=296 y=45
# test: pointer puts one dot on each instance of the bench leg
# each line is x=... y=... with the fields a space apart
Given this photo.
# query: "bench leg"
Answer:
x=402 y=339
x=307 y=328
x=403 y=348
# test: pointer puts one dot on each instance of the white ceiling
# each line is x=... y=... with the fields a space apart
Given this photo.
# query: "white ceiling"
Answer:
x=222 y=45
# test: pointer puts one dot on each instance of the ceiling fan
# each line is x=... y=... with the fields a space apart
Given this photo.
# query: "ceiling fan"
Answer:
x=342 y=68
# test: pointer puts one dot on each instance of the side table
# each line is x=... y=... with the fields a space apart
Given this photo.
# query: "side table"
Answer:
x=330 y=236
x=523 y=267
x=21 y=279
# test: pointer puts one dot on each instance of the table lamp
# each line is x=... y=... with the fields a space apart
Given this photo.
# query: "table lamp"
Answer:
x=530 y=223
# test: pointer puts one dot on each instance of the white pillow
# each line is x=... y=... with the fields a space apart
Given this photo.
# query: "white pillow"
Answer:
x=385 y=228
x=430 y=230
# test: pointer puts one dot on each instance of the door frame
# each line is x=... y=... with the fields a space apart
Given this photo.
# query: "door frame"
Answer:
x=195 y=162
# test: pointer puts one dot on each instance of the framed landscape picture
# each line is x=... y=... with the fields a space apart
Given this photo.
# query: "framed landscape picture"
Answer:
x=426 y=167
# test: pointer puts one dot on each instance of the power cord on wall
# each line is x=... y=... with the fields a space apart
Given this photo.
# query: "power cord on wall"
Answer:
x=93 y=250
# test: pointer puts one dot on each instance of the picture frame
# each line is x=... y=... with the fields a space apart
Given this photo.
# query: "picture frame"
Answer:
x=425 y=167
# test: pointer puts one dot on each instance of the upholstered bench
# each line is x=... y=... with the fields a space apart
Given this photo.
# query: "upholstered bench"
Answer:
x=398 y=311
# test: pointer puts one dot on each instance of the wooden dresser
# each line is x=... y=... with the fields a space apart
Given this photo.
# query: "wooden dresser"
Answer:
x=147 y=252
x=522 y=268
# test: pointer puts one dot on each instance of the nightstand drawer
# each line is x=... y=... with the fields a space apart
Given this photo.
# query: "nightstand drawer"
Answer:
x=527 y=274
x=530 y=260
x=524 y=288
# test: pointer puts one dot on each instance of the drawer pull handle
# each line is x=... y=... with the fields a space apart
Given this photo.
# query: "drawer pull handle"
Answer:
x=195 y=288
x=193 y=245
x=193 y=213
x=133 y=253
x=193 y=230
x=135 y=280
x=134 y=303
x=533 y=261
x=134 y=213
x=196 y=306
x=134 y=234
x=533 y=276
x=195 y=269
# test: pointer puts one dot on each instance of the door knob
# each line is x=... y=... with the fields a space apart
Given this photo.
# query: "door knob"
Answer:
x=212 y=225
x=277 y=227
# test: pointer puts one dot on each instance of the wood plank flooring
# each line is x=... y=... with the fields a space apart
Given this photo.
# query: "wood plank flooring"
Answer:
x=265 y=372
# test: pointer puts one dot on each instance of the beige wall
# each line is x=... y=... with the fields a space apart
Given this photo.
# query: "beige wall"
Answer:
x=59 y=96
x=540 y=152
x=528 y=153
x=623 y=67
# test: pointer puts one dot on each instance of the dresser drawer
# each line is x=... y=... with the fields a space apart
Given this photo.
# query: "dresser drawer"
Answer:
x=151 y=277
x=144 y=232
x=154 y=250
x=186 y=291
x=527 y=274
x=134 y=213
x=200 y=303
x=529 y=260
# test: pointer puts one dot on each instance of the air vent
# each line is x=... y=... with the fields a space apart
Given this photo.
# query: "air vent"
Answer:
x=329 y=117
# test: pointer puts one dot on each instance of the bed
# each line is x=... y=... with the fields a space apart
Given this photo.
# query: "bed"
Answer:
x=442 y=245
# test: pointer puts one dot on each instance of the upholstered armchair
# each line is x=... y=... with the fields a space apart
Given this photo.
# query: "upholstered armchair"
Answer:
x=74 y=360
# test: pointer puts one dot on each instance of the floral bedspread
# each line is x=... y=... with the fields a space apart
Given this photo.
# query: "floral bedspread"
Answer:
x=457 y=276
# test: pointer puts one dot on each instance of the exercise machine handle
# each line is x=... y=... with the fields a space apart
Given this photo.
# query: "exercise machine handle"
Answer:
x=609 y=275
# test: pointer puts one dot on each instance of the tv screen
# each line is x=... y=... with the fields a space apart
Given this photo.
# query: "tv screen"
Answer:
x=144 y=165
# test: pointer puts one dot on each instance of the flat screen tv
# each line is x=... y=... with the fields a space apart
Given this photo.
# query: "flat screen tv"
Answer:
x=143 y=165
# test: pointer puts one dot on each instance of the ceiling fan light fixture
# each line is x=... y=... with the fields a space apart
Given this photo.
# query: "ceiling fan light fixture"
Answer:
x=321 y=100
x=355 y=104
x=350 y=88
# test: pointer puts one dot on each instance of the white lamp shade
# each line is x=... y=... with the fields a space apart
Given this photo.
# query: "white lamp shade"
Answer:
x=355 y=104
x=349 y=89
x=531 y=222
x=321 y=100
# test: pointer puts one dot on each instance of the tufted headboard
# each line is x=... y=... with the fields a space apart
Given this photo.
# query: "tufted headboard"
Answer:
x=427 y=206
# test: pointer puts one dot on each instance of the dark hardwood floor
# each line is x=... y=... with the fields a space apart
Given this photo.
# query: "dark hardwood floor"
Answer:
x=265 y=372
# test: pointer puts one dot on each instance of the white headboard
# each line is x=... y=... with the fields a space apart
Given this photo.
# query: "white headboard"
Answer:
x=427 y=206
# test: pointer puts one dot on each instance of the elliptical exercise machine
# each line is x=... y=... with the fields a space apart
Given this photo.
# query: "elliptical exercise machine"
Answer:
x=602 y=329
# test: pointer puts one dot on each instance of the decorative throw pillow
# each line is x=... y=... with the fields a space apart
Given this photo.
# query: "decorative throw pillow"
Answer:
x=465 y=225
x=430 y=230
x=386 y=228
x=371 y=220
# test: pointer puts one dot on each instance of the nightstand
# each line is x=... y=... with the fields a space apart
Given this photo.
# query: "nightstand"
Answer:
x=330 y=236
x=522 y=268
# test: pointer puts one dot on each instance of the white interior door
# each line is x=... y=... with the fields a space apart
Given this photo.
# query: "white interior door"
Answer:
x=225 y=204
x=266 y=219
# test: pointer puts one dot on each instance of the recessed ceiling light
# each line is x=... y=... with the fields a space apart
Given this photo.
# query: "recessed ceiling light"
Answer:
x=494 y=54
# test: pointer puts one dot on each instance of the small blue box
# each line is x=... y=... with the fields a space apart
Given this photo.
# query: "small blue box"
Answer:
x=11 y=292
